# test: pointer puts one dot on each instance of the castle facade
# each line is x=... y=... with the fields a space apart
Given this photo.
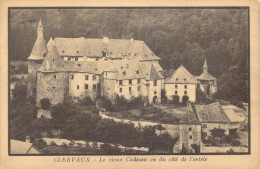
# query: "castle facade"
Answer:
x=81 y=67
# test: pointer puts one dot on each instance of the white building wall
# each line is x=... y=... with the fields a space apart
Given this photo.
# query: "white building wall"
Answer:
x=66 y=58
x=206 y=127
x=154 y=91
x=191 y=91
x=125 y=88
x=77 y=85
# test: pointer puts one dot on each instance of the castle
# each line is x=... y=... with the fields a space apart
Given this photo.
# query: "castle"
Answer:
x=80 y=67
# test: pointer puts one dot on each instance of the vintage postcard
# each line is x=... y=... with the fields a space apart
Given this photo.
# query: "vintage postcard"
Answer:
x=129 y=85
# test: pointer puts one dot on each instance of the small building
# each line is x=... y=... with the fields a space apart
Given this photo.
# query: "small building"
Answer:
x=206 y=82
x=20 y=147
x=213 y=116
x=181 y=85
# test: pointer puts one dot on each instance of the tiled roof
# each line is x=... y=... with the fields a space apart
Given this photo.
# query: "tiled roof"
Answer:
x=115 y=48
x=20 y=147
x=206 y=76
x=190 y=117
x=54 y=63
x=212 y=113
x=181 y=75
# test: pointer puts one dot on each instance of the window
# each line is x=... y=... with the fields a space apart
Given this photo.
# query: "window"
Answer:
x=77 y=51
x=120 y=82
x=185 y=86
x=72 y=77
x=121 y=90
x=97 y=59
x=190 y=137
x=86 y=77
x=176 y=92
x=53 y=87
x=76 y=59
x=138 y=81
x=184 y=79
x=55 y=76
x=69 y=58
x=86 y=86
x=130 y=81
x=63 y=51
x=94 y=86
x=204 y=126
x=124 y=73
x=190 y=129
x=155 y=92
x=94 y=77
x=77 y=87
x=176 y=86
x=138 y=88
x=155 y=83
x=137 y=72
x=185 y=92
x=130 y=89
x=176 y=79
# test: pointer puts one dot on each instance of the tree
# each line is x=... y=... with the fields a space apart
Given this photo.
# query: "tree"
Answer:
x=217 y=133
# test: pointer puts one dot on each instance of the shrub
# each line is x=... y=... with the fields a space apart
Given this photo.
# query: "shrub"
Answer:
x=45 y=104
x=86 y=101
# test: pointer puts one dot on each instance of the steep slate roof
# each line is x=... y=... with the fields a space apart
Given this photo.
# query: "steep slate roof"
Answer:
x=39 y=49
x=115 y=48
x=149 y=68
x=212 y=113
x=20 y=147
x=54 y=63
x=153 y=74
x=181 y=75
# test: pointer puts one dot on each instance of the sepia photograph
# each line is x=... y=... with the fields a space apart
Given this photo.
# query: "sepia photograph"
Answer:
x=128 y=81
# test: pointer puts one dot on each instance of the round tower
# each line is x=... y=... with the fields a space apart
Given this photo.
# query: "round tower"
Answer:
x=35 y=59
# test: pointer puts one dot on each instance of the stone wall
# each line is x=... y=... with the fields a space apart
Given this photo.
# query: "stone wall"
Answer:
x=54 y=86
x=33 y=66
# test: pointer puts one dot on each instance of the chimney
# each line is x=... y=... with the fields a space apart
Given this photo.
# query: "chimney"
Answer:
x=105 y=39
x=27 y=139
x=132 y=40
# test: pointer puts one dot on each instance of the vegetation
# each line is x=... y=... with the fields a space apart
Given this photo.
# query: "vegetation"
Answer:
x=120 y=103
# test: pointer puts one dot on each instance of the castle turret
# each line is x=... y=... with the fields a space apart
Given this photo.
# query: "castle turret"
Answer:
x=205 y=67
x=35 y=59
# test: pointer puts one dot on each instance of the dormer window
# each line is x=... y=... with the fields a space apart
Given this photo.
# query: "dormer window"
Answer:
x=184 y=79
x=176 y=79
x=63 y=51
x=77 y=51
x=124 y=73
x=137 y=72
x=103 y=54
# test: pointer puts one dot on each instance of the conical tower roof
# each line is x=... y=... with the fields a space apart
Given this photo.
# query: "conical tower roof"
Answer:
x=153 y=74
x=205 y=63
x=39 y=49
x=50 y=44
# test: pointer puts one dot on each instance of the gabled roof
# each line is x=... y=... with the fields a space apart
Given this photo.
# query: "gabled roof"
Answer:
x=212 y=113
x=39 y=49
x=181 y=75
x=20 y=147
x=115 y=48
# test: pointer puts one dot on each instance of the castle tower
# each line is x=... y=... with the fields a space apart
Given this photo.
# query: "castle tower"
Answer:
x=206 y=82
x=35 y=59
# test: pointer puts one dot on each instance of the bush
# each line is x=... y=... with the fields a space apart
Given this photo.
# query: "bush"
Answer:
x=86 y=101
x=45 y=104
